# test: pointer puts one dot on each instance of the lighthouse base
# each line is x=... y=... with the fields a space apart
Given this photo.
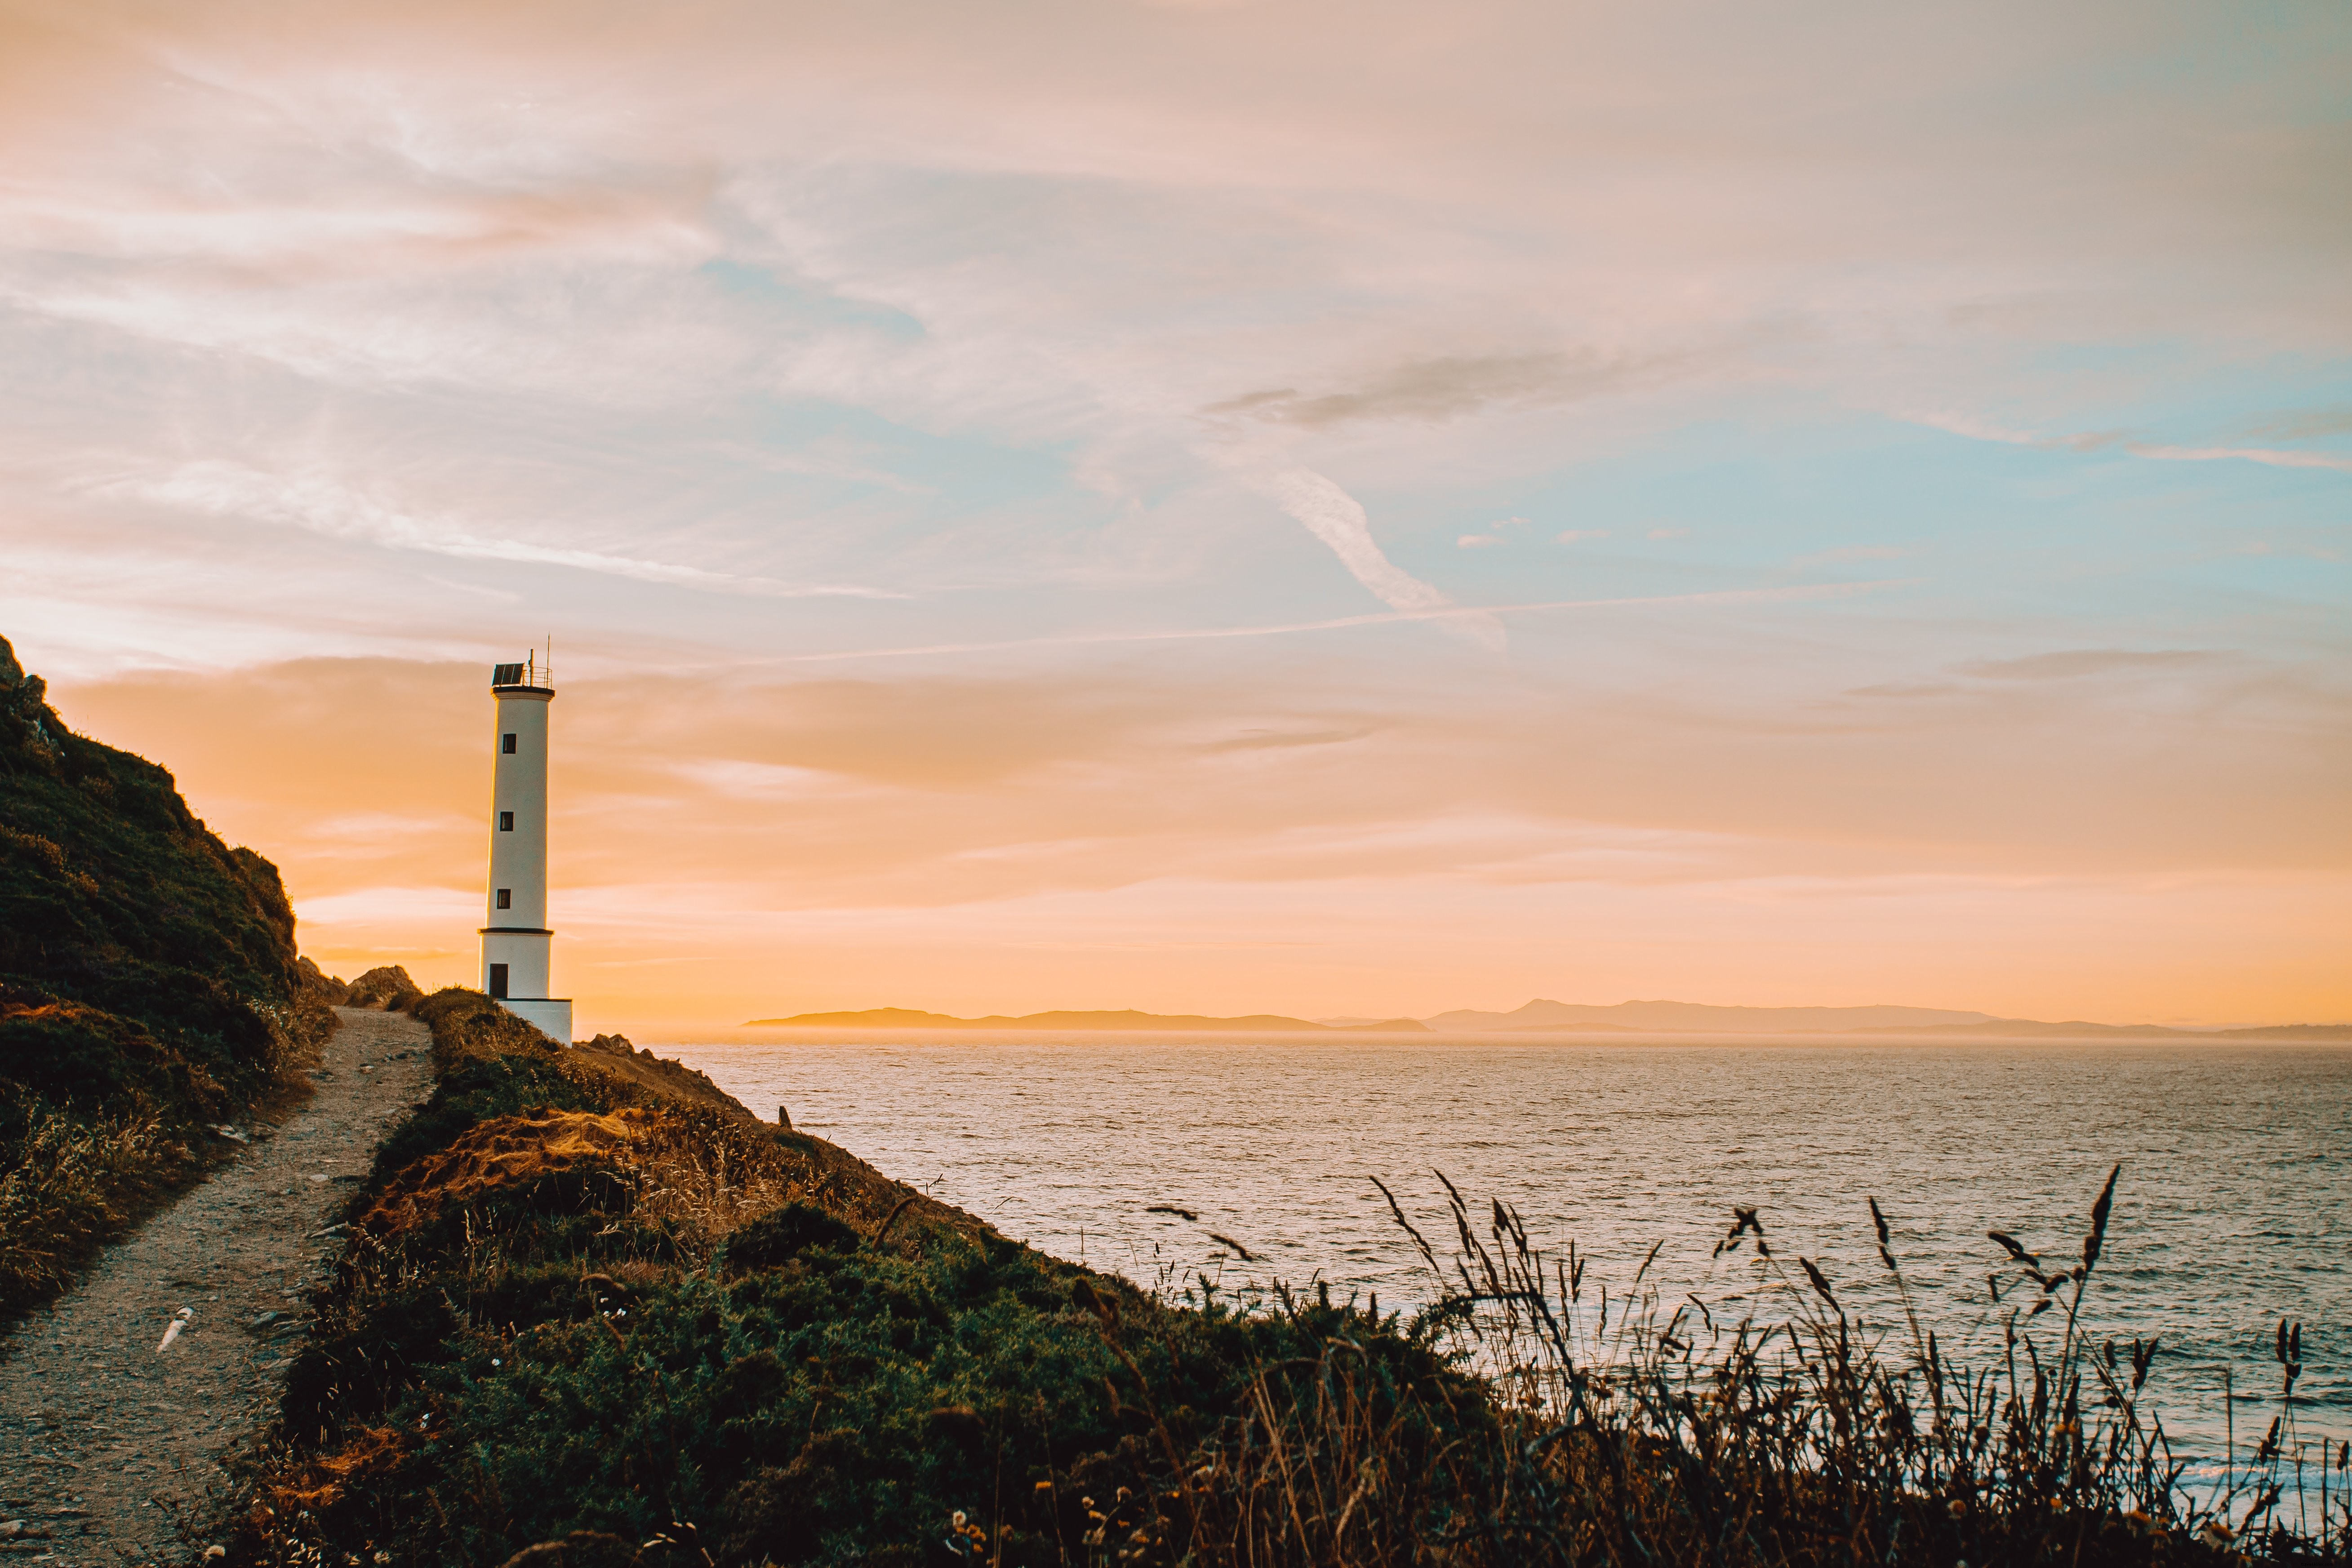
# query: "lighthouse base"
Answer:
x=551 y=1016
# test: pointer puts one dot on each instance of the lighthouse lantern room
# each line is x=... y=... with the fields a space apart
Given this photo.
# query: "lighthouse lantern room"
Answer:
x=515 y=942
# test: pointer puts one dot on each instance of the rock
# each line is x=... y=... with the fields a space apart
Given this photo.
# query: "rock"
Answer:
x=387 y=988
x=322 y=985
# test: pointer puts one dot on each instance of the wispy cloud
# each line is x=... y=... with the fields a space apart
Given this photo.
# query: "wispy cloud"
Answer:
x=1337 y=519
x=2069 y=663
x=317 y=500
x=1977 y=429
x=2269 y=456
x=1493 y=534
x=1443 y=614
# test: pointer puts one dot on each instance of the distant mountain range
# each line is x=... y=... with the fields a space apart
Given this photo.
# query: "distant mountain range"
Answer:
x=1696 y=1017
x=1693 y=1017
x=2028 y=1029
x=908 y=1018
x=1563 y=1017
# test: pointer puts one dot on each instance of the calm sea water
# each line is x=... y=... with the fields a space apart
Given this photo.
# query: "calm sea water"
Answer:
x=2235 y=1208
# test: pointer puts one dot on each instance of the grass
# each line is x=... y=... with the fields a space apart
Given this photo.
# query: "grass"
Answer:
x=585 y=1318
x=1670 y=1439
x=70 y=1183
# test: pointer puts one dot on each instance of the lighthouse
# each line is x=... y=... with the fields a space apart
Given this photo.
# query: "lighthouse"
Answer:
x=516 y=940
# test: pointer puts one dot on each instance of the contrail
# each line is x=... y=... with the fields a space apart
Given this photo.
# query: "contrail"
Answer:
x=1337 y=519
x=1433 y=613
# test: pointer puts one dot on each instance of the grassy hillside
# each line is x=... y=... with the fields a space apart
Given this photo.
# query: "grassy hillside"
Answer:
x=149 y=987
x=593 y=1313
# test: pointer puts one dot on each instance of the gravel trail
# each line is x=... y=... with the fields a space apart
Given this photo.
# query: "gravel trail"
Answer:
x=104 y=1439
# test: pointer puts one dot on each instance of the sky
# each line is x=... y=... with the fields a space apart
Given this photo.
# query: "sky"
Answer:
x=1338 y=510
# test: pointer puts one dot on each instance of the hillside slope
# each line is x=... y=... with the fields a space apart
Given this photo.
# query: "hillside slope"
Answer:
x=149 y=987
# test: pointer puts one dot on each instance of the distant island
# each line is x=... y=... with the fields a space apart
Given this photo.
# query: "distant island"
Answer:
x=1542 y=1016
x=909 y=1018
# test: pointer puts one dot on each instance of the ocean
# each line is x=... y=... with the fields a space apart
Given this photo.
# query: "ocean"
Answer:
x=2234 y=1209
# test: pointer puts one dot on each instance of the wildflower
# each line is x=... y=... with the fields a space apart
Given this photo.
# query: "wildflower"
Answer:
x=1958 y=1508
x=2214 y=1534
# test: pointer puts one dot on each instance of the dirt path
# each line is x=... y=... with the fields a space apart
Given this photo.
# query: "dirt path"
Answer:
x=104 y=1440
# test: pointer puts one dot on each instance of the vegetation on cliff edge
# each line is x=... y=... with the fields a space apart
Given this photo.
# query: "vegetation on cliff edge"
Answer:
x=592 y=1313
x=149 y=988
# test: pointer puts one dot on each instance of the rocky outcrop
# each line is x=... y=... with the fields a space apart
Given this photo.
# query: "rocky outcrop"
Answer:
x=387 y=988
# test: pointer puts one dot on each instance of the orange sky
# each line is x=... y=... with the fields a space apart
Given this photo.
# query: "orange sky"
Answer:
x=730 y=845
x=1318 y=506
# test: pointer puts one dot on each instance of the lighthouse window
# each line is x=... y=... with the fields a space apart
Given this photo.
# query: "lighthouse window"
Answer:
x=506 y=822
x=506 y=744
x=498 y=980
x=506 y=897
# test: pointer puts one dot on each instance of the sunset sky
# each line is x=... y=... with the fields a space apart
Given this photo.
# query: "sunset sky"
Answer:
x=1268 y=506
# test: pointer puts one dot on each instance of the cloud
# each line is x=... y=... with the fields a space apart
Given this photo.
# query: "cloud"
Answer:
x=1336 y=518
x=1492 y=536
x=2074 y=662
x=2101 y=440
x=1577 y=535
x=1903 y=689
x=1442 y=615
x=316 y=500
x=1280 y=739
x=2341 y=462
x=1668 y=533
x=1439 y=389
x=2303 y=424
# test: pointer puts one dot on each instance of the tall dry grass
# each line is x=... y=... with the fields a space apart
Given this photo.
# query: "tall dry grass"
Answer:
x=68 y=1184
x=1658 y=1434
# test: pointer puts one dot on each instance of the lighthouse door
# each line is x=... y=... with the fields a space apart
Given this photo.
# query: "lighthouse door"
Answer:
x=499 y=980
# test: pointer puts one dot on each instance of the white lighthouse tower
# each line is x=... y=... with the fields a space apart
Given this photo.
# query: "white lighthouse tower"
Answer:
x=516 y=941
